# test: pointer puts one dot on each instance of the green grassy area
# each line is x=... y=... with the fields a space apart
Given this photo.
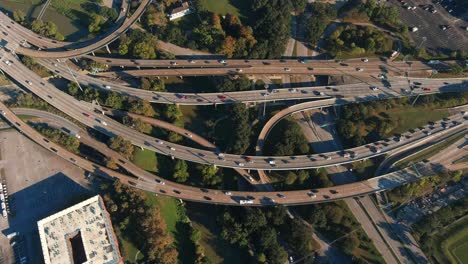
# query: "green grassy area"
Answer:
x=412 y=117
x=221 y=7
x=461 y=252
x=145 y=159
x=68 y=15
x=431 y=151
x=451 y=244
x=128 y=249
x=216 y=249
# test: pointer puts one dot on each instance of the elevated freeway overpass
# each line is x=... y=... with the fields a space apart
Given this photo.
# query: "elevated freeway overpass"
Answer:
x=150 y=183
x=110 y=127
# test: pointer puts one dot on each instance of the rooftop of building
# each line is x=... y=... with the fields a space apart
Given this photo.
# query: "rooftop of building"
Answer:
x=82 y=233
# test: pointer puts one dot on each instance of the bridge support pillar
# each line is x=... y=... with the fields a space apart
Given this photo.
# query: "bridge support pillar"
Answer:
x=76 y=60
x=108 y=50
x=157 y=77
x=92 y=52
x=181 y=77
x=138 y=67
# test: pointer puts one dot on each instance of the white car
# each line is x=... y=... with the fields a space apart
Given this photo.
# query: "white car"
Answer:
x=107 y=87
x=240 y=164
x=312 y=195
x=365 y=60
x=381 y=76
x=292 y=90
x=227 y=192
x=374 y=88
x=2 y=112
x=238 y=70
x=104 y=123
x=359 y=69
x=287 y=69
x=29 y=82
x=7 y=62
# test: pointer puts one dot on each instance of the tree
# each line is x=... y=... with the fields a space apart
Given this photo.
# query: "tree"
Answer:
x=180 y=171
x=229 y=46
x=142 y=108
x=96 y=22
x=299 y=238
x=172 y=112
x=240 y=139
x=119 y=144
x=73 y=88
x=20 y=17
x=144 y=50
x=210 y=175
x=111 y=164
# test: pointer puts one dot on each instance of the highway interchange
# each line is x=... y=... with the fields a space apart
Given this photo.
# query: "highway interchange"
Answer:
x=343 y=94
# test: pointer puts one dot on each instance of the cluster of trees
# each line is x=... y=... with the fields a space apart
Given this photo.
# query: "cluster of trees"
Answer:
x=321 y=15
x=434 y=231
x=417 y=189
x=152 y=84
x=366 y=122
x=99 y=16
x=138 y=44
x=369 y=10
x=119 y=144
x=34 y=66
x=71 y=143
x=240 y=138
x=46 y=29
x=441 y=218
x=335 y=220
x=137 y=124
x=29 y=100
x=140 y=224
x=242 y=83
x=358 y=40
x=361 y=123
x=257 y=229
x=287 y=139
x=112 y=99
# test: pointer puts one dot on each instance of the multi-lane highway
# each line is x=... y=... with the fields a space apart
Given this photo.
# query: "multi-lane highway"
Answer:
x=108 y=126
x=79 y=49
x=384 y=182
x=378 y=89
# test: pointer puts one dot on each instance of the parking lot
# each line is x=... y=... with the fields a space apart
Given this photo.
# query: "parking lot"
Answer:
x=39 y=184
x=430 y=17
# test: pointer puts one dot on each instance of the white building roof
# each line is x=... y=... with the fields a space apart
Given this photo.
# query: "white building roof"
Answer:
x=89 y=219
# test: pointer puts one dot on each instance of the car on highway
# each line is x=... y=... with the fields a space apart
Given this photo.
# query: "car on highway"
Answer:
x=2 y=112
x=239 y=70
x=272 y=162
x=107 y=87
x=426 y=89
x=227 y=192
x=374 y=88
x=381 y=76
x=240 y=164
x=365 y=60
x=86 y=114
x=29 y=82
x=359 y=69
x=173 y=63
x=280 y=195
x=287 y=69
x=222 y=61
x=222 y=97
x=248 y=159
x=312 y=195
x=7 y=62
x=292 y=90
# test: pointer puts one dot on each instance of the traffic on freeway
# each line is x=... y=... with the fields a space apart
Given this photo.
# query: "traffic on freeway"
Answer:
x=108 y=126
x=88 y=47
x=163 y=187
x=393 y=87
